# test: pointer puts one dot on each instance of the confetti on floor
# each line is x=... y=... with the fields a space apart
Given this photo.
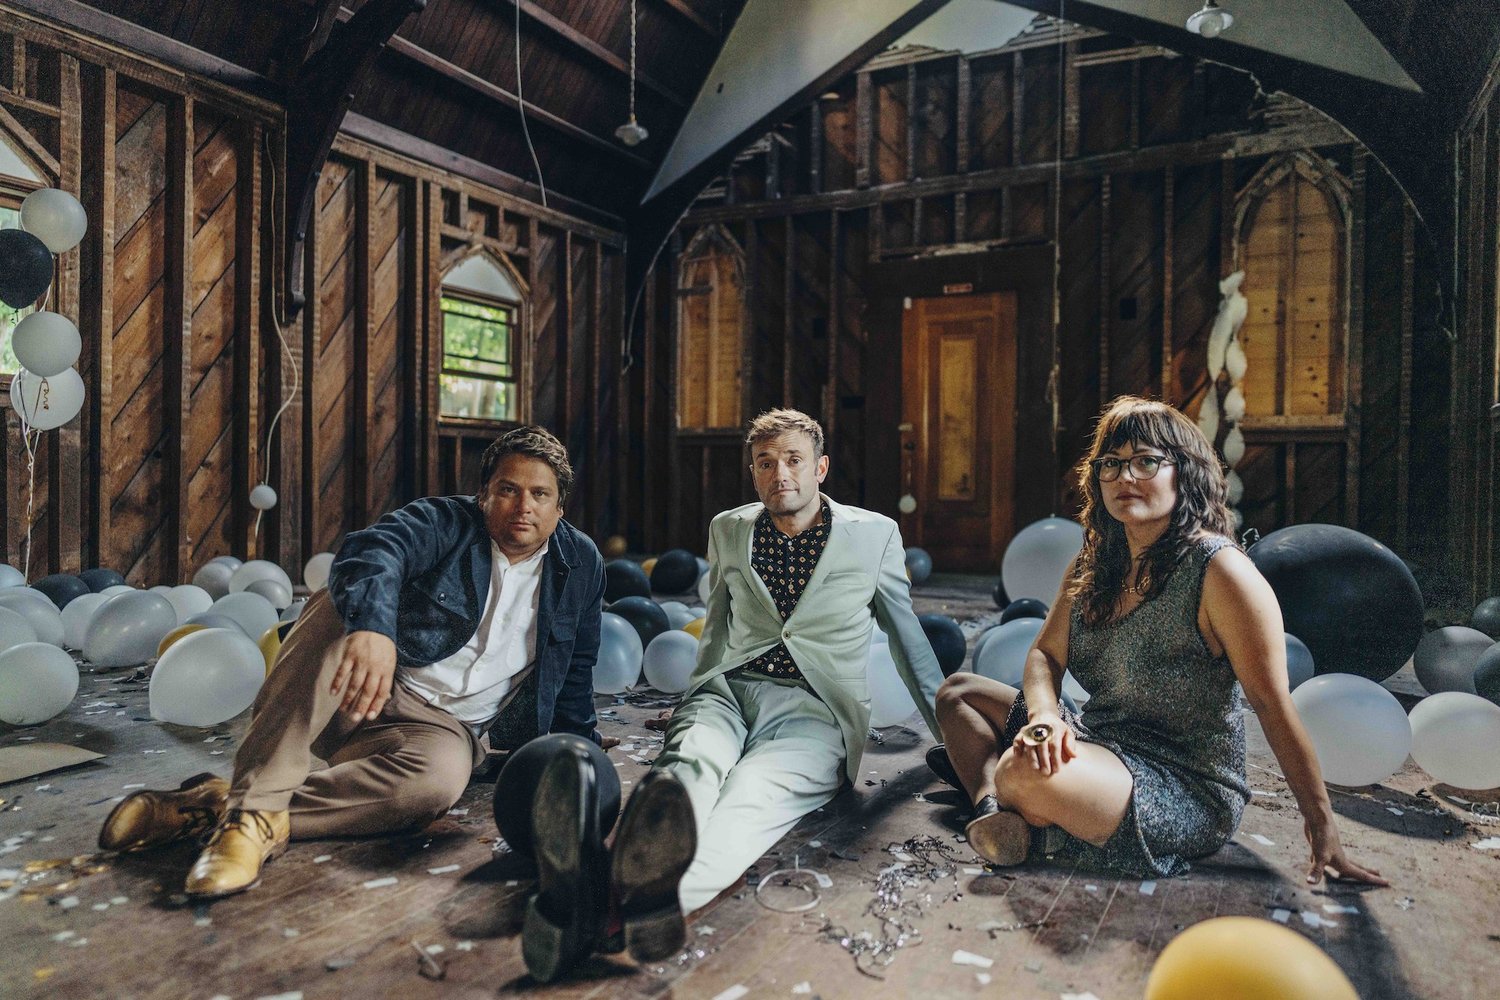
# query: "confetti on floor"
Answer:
x=961 y=957
x=380 y=883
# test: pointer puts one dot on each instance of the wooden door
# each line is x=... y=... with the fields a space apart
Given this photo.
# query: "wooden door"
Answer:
x=958 y=429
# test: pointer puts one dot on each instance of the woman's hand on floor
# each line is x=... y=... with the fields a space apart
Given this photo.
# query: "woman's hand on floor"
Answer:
x=1328 y=856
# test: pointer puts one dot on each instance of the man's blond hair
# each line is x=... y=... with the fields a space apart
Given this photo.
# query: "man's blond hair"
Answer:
x=774 y=423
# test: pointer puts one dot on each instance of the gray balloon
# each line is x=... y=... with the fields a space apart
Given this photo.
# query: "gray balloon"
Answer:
x=294 y=611
x=10 y=576
x=213 y=619
x=14 y=629
x=1487 y=674
x=252 y=612
x=1445 y=658
x=1299 y=661
x=273 y=591
x=214 y=578
x=127 y=629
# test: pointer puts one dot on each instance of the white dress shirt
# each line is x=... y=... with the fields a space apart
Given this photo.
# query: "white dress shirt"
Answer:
x=471 y=684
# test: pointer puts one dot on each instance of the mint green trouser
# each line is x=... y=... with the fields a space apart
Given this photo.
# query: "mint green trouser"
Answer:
x=756 y=755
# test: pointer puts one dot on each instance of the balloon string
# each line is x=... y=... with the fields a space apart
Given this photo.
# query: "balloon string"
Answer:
x=29 y=438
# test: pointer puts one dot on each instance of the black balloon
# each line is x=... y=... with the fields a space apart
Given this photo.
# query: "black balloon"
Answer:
x=623 y=578
x=1001 y=600
x=516 y=786
x=1349 y=598
x=1487 y=674
x=675 y=572
x=61 y=588
x=1486 y=617
x=1023 y=607
x=25 y=268
x=99 y=579
x=644 y=615
x=947 y=641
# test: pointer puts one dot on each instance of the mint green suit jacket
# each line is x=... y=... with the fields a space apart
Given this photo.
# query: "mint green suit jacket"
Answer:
x=859 y=580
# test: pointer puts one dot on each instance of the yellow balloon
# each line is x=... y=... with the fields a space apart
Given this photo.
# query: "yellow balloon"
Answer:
x=270 y=643
x=1245 y=958
x=648 y=566
x=614 y=546
x=695 y=628
x=174 y=635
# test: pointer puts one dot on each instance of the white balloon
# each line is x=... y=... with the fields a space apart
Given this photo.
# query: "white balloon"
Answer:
x=77 y=616
x=55 y=217
x=294 y=611
x=262 y=497
x=618 y=666
x=232 y=562
x=678 y=614
x=1234 y=405
x=46 y=403
x=118 y=588
x=1454 y=737
x=251 y=612
x=315 y=573
x=10 y=576
x=1358 y=729
x=37 y=680
x=890 y=701
x=1001 y=652
x=1208 y=414
x=38 y=609
x=273 y=591
x=1236 y=487
x=1235 y=361
x=258 y=569
x=702 y=565
x=162 y=589
x=206 y=678
x=907 y=504
x=46 y=343
x=15 y=629
x=127 y=629
x=214 y=578
x=1234 y=446
x=188 y=600
x=1039 y=555
x=703 y=588
x=699 y=612
x=669 y=661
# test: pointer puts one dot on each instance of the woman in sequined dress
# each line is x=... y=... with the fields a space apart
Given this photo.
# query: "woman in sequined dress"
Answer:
x=1166 y=622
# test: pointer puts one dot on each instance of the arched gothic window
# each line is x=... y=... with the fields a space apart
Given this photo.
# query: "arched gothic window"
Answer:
x=1291 y=239
x=18 y=178
x=484 y=313
x=710 y=327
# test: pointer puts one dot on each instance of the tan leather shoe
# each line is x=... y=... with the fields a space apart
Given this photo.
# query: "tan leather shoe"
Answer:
x=245 y=840
x=148 y=819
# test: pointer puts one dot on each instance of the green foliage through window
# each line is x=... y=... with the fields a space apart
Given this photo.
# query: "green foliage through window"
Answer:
x=478 y=377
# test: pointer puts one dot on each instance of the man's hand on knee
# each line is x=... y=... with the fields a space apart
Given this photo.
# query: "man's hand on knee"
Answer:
x=365 y=674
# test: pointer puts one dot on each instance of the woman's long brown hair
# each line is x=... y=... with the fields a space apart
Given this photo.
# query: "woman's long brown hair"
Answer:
x=1202 y=505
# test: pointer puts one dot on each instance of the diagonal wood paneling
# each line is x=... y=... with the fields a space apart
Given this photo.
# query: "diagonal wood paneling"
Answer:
x=390 y=345
x=331 y=370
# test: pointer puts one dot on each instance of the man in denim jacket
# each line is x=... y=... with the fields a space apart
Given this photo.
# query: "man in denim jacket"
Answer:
x=447 y=617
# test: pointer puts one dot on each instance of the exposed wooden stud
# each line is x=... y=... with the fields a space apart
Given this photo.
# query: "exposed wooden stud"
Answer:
x=1289 y=486
x=432 y=330
x=815 y=149
x=1106 y=293
x=577 y=40
x=18 y=65
x=963 y=154
x=773 y=168
x=1135 y=104
x=29 y=143
x=177 y=322
x=1018 y=104
x=911 y=121
x=1403 y=411
x=749 y=335
x=864 y=128
x=1071 y=100
x=246 y=356
x=650 y=502
x=789 y=309
x=596 y=410
x=960 y=217
x=565 y=307
x=71 y=457
x=690 y=15
x=96 y=312
x=361 y=452
x=835 y=326
x=1354 y=341
x=674 y=369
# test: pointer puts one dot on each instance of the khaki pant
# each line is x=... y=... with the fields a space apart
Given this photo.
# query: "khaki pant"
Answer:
x=756 y=756
x=400 y=771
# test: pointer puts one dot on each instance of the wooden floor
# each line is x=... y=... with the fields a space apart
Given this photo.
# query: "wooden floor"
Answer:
x=339 y=918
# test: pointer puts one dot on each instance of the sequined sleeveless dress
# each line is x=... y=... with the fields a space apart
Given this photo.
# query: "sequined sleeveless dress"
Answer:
x=1170 y=710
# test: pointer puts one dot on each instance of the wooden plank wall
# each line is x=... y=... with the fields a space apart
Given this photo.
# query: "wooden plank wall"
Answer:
x=940 y=158
x=174 y=290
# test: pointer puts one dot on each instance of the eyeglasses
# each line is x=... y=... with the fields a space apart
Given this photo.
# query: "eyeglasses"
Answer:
x=1141 y=467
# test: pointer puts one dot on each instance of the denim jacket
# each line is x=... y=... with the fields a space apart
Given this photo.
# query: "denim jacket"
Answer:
x=421 y=576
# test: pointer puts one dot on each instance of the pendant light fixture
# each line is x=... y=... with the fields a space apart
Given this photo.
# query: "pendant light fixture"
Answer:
x=1210 y=21
x=632 y=132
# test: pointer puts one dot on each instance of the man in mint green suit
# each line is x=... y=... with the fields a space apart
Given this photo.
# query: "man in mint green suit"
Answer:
x=777 y=711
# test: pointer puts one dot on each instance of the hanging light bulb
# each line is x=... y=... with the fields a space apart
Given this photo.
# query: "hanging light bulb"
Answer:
x=1211 y=20
x=632 y=133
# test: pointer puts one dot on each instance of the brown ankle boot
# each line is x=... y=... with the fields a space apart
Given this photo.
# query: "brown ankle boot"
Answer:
x=244 y=841
x=149 y=819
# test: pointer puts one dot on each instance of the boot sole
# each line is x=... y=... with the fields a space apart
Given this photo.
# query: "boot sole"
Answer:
x=1001 y=838
x=657 y=841
x=564 y=822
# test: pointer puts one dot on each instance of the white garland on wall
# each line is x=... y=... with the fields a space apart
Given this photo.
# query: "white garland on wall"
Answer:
x=1226 y=354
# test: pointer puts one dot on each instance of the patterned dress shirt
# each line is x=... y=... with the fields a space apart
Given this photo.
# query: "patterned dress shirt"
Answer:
x=785 y=564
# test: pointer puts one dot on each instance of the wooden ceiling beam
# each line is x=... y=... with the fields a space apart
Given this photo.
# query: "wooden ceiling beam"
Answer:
x=691 y=15
x=499 y=95
x=560 y=28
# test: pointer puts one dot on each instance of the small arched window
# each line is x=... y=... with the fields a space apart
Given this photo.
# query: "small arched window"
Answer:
x=18 y=178
x=710 y=324
x=483 y=317
x=1291 y=236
